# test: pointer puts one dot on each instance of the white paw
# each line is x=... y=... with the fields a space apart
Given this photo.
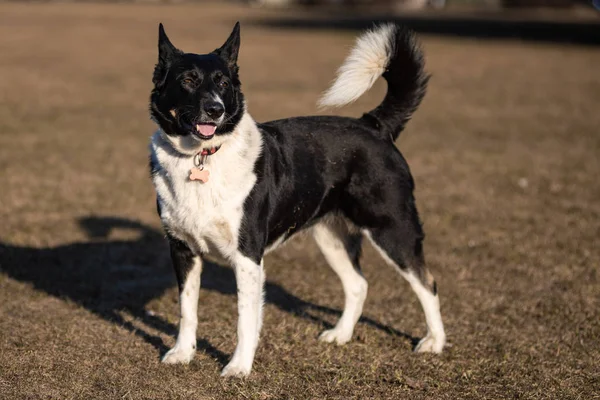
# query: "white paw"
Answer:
x=336 y=335
x=179 y=355
x=431 y=344
x=236 y=369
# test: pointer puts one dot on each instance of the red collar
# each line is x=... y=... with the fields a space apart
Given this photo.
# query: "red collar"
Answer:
x=201 y=156
x=209 y=152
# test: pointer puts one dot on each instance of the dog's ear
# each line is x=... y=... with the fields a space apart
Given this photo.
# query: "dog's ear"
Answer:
x=229 y=51
x=166 y=50
x=166 y=53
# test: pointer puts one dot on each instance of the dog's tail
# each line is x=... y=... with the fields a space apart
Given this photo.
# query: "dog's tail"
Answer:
x=391 y=51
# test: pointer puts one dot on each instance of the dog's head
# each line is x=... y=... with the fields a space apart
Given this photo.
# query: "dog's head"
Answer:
x=196 y=98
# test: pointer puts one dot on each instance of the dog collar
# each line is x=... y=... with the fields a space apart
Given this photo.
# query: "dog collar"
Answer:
x=209 y=152
x=200 y=157
x=198 y=173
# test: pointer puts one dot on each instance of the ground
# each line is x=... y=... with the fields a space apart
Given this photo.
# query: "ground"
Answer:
x=505 y=154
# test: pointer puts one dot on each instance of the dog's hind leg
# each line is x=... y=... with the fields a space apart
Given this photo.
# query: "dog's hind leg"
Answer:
x=401 y=246
x=188 y=268
x=342 y=251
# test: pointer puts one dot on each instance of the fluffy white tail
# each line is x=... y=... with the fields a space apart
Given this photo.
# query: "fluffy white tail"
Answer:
x=391 y=51
x=367 y=61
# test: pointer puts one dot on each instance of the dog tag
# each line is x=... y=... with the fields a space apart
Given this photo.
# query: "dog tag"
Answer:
x=197 y=174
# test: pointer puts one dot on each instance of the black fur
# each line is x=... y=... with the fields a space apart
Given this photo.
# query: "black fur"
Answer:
x=317 y=166
x=407 y=84
x=184 y=82
x=182 y=258
x=310 y=167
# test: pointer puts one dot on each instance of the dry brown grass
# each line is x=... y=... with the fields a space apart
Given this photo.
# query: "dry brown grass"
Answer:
x=505 y=153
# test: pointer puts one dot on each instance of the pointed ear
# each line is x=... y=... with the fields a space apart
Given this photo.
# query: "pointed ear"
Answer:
x=166 y=52
x=229 y=51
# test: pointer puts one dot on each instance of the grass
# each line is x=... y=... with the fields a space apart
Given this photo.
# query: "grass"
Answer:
x=504 y=151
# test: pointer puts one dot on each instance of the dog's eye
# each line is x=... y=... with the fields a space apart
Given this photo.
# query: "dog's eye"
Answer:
x=224 y=84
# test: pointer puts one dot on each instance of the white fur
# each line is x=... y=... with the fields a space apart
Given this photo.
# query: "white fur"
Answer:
x=250 y=281
x=329 y=237
x=207 y=216
x=276 y=243
x=217 y=99
x=435 y=339
x=185 y=348
x=367 y=61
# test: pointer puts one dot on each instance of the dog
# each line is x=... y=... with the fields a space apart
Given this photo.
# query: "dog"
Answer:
x=232 y=188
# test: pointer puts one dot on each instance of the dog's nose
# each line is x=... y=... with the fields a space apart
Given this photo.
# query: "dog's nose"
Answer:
x=214 y=109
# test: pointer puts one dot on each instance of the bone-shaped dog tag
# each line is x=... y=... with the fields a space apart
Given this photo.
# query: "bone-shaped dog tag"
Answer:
x=197 y=174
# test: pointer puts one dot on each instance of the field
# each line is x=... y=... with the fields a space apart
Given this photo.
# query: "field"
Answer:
x=505 y=151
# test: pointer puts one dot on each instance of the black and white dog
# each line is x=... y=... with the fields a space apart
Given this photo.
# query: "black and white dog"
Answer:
x=236 y=189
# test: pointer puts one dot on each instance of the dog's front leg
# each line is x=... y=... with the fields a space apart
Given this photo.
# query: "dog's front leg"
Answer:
x=250 y=281
x=188 y=268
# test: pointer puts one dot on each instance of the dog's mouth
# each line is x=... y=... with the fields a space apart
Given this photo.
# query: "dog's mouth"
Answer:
x=205 y=130
x=201 y=130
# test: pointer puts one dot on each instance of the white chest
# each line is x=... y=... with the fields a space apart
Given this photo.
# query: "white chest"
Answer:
x=207 y=216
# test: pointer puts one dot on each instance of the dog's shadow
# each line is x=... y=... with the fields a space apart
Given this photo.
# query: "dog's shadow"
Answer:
x=112 y=277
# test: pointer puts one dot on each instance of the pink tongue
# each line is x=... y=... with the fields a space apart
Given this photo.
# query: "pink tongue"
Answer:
x=206 y=129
